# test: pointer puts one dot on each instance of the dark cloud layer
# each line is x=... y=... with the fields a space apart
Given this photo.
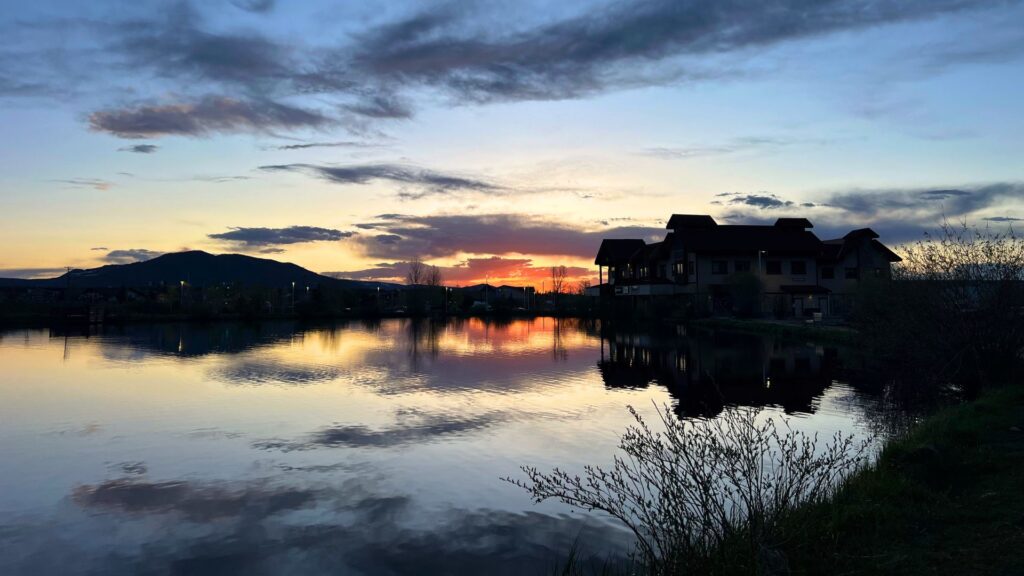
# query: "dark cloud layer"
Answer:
x=127 y=256
x=264 y=237
x=763 y=201
x=899 y=214
x=401 y=237
x=606 y=48
x=471 y=53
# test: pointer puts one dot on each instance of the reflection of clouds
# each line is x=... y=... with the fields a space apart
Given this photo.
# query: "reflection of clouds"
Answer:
x=197 y=502
x=90 y=429
x=256 y=371
x=202 y=528
x=427 y=429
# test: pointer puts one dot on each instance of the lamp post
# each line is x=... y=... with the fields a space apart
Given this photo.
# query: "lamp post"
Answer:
x=181 y=294
x=293 y=296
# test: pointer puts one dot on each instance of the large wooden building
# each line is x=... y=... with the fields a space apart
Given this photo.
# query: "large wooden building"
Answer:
x=707 y=263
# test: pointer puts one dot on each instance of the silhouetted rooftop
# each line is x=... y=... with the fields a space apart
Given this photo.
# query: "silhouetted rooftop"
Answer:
x=743 y=238
x=681 y=221
x=614 y=251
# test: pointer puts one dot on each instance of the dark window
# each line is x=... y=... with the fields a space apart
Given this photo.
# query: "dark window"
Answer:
x=878 y=273
x=742 y=265
x=719 y=267
x=691 y=268
x=828 y=272
x=798 y=267
x=852 y=273
x=773 y=267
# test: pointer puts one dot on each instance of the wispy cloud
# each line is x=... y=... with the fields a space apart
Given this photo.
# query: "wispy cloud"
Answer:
x=763 y=201
x=94 y=183
x=419 y=182
x=207 y=115
x=737 y=145
x=31 y=273
x=339 y=144
x=255 y=5
x=140 y=148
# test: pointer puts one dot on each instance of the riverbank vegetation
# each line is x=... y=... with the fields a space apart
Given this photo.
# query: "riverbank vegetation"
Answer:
x=943 y=498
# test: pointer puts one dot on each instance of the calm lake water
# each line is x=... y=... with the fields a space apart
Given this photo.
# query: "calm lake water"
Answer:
x=357 y=448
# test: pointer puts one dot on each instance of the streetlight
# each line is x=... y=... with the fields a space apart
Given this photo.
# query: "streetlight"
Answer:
x=293 y=296
x=181 y=294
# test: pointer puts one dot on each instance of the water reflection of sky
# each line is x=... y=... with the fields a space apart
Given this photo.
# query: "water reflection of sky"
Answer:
x=363 y=448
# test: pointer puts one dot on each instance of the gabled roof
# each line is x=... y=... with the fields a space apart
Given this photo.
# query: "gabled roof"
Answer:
x=732 y=238
x=837 y=248
x=861 y=233
x=654 y=251
x=801 y=223
x=690 y=221
x=616 y=251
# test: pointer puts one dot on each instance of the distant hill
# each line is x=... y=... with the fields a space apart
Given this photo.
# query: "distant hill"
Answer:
x=198 y=268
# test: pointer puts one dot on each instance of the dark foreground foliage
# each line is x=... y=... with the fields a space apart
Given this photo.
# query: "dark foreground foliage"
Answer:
x=953 y=312
x=945 y=499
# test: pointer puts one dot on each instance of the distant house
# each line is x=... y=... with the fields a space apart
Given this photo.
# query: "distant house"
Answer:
x=699 y=259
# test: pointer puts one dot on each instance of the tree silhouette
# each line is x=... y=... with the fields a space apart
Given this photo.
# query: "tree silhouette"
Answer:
x=417 y=273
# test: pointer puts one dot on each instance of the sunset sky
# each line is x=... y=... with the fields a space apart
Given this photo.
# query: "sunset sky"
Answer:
x=493 y=139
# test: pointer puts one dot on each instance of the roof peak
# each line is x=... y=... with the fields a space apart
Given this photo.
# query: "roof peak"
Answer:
x=690 y=221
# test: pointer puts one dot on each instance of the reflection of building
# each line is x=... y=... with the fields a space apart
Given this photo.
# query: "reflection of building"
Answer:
x=783 y=267
x=707 y=371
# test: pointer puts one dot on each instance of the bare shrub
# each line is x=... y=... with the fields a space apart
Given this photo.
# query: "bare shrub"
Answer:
x=688 y=491
x=955 y=307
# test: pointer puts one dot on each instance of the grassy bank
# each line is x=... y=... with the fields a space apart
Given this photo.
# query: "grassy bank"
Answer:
x=947 y=499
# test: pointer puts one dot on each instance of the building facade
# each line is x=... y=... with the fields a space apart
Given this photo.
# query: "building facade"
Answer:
x=783 y=268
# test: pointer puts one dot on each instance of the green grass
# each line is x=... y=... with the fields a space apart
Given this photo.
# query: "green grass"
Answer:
x=947 y=499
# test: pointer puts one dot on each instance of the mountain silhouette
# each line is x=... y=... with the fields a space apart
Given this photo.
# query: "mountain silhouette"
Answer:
x=197 y=268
